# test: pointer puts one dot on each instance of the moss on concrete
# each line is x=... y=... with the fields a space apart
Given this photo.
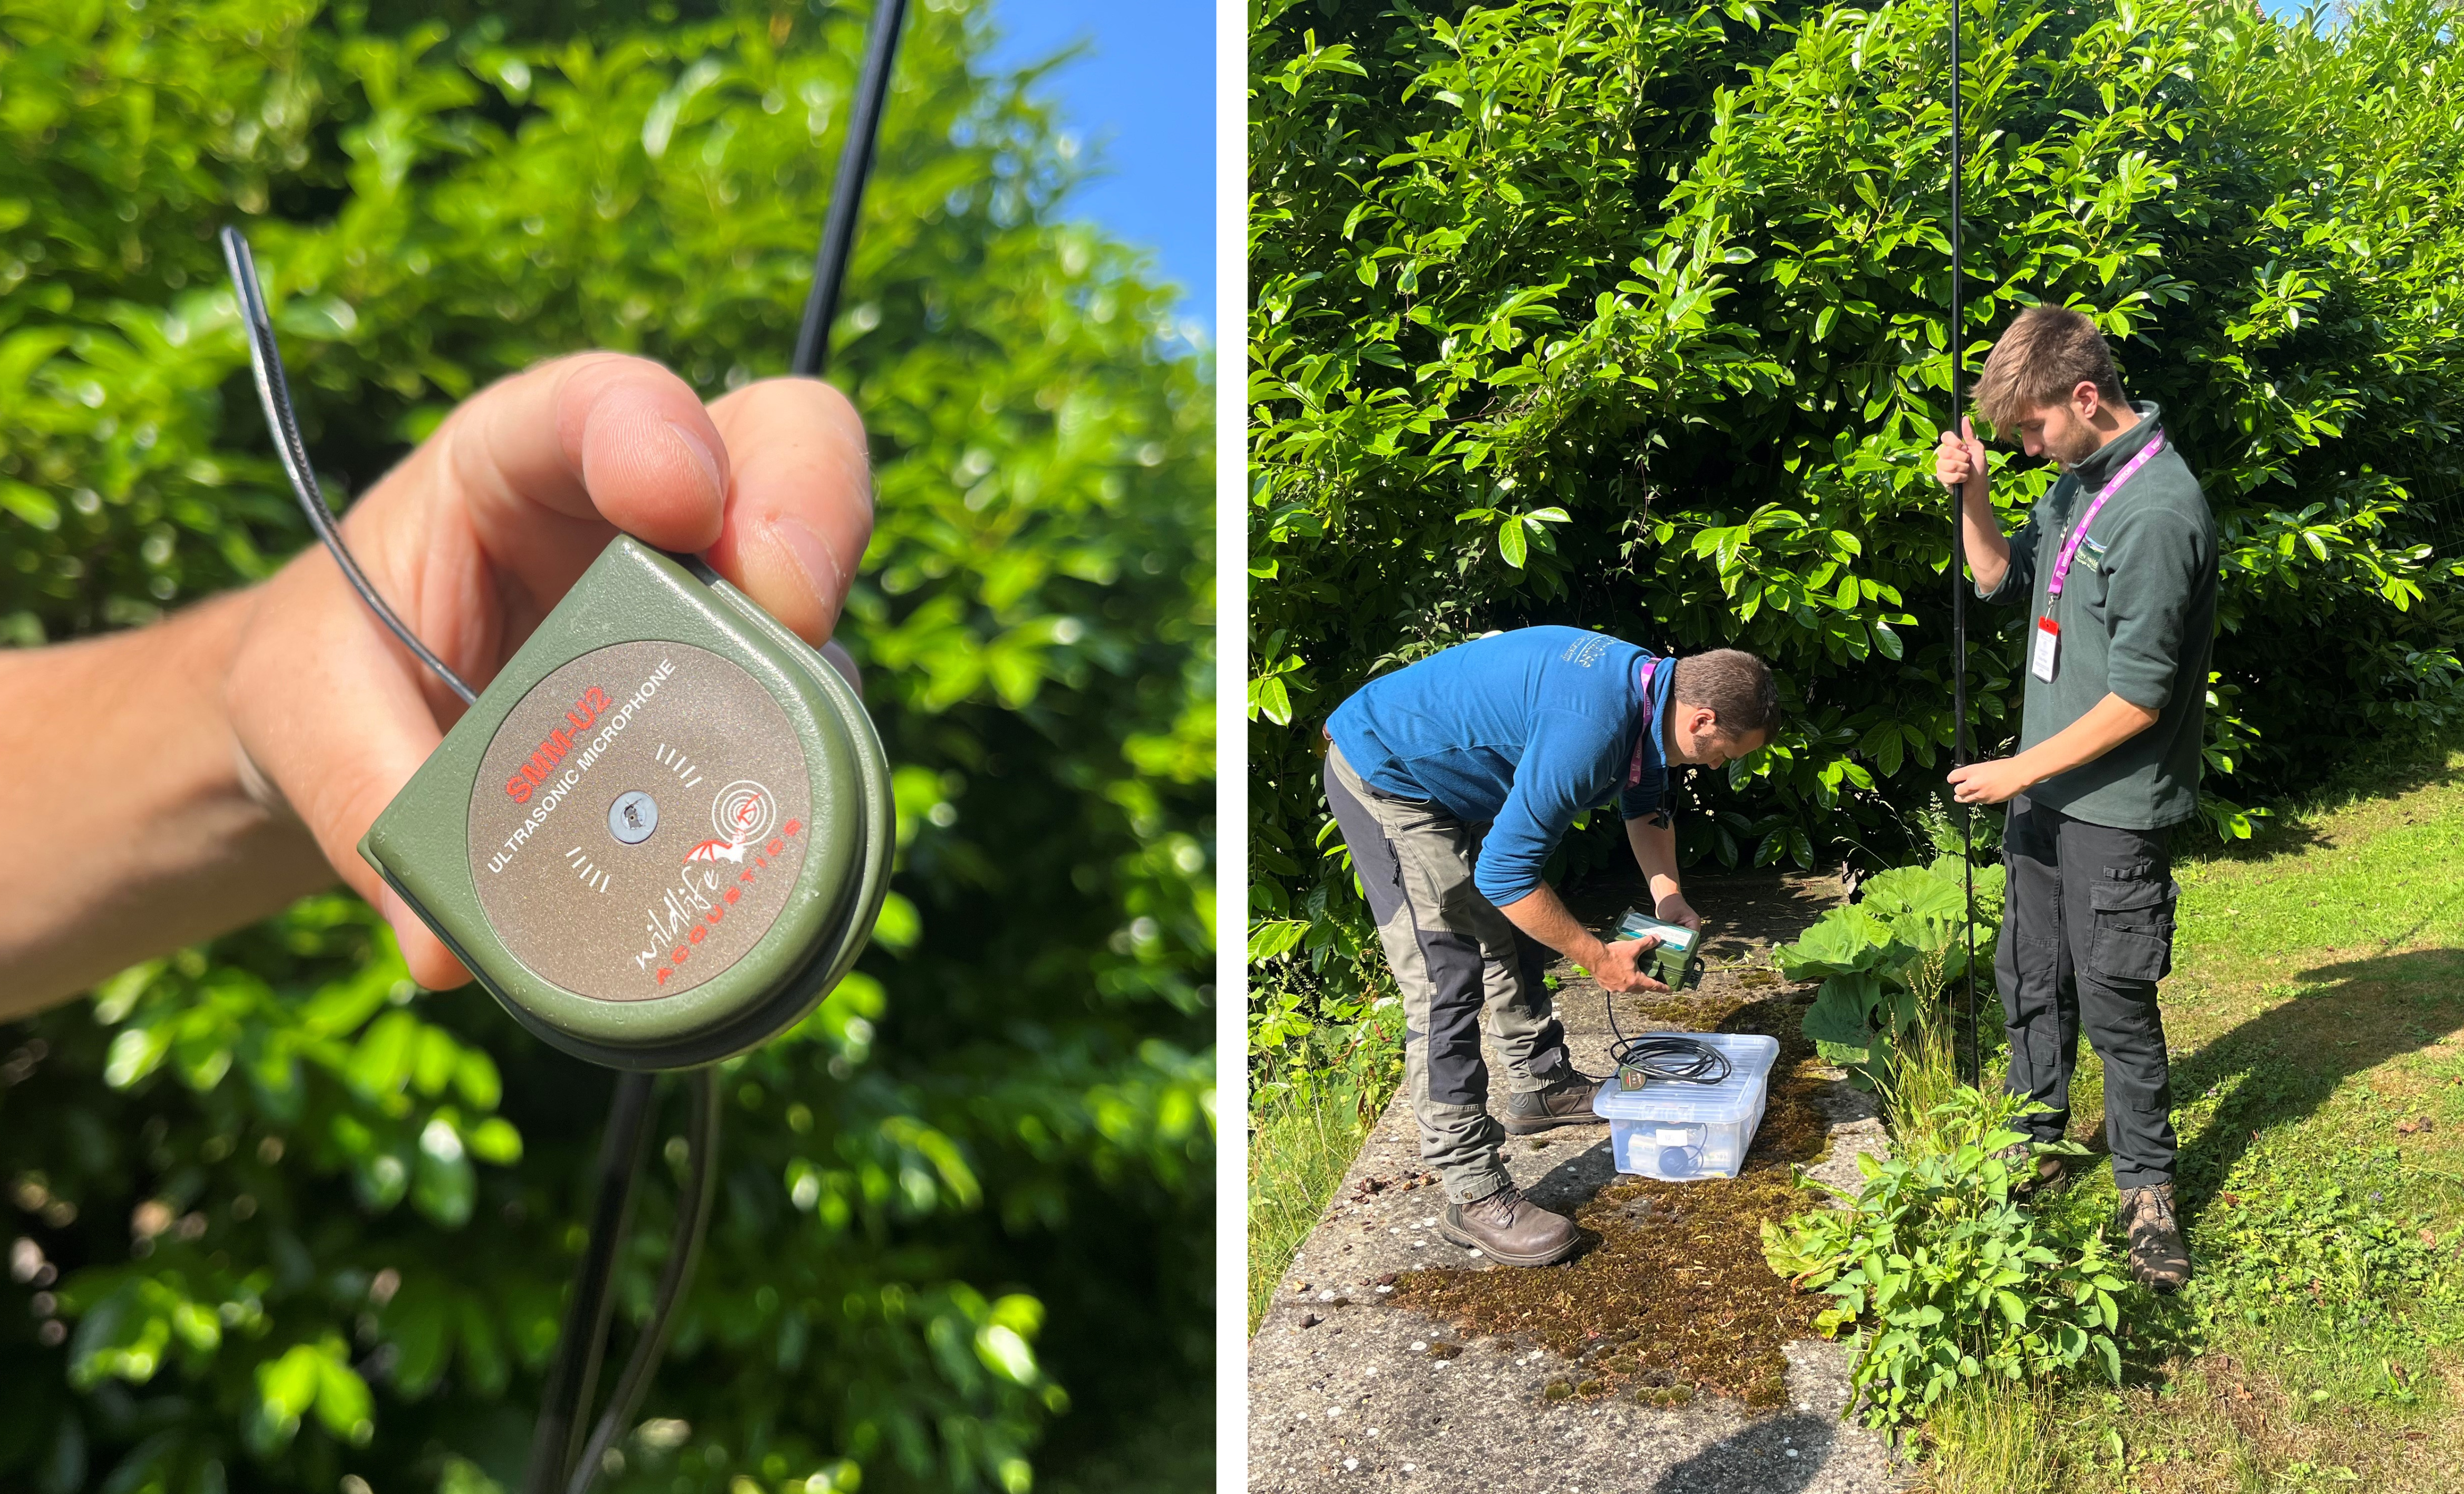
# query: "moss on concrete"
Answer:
x=1671 y=1295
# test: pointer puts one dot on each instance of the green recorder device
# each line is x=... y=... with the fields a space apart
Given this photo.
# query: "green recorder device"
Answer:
x=1677 y=962
x=662 y=833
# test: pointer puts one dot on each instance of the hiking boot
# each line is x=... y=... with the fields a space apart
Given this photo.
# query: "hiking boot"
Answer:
x=2158 y=1258
x=1568 y=1102
x=2044 y=1175
x=1510 y=1229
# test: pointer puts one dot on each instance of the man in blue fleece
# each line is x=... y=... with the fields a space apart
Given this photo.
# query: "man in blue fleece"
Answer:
x=1453 y=780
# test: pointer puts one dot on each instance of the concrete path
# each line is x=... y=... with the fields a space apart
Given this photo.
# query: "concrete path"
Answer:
x=1346 y=1390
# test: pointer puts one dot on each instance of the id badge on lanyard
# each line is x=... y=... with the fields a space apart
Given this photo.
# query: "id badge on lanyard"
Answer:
x=2048 y=644
x=2044 y=656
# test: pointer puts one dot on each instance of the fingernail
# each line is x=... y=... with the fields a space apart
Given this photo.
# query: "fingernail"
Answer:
x=703 y=454
x=812 y=555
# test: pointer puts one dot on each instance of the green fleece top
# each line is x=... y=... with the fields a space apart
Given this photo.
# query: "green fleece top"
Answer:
x=2138 y=615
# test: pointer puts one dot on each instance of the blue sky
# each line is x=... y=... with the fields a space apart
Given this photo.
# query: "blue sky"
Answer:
x=1142 y=98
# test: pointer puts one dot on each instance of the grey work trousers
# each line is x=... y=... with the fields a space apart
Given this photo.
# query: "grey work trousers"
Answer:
x=2087 y=930
x=1457 y=959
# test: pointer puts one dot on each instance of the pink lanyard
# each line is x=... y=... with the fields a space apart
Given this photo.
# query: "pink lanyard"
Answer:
x=1633 y=775
x=2070 y=547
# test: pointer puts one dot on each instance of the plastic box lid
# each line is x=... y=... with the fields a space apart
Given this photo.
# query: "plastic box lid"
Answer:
x=1732 y=1100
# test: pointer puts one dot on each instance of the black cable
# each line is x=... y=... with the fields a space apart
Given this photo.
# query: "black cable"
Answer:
x=684 y=1250
x=583 y=1335
x=1664 y=1057
x=846 y=193
x=274 y=392
x=1959 y=580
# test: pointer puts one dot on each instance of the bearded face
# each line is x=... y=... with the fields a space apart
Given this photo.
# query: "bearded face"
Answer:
x=2061 y=432
x=2075 y=443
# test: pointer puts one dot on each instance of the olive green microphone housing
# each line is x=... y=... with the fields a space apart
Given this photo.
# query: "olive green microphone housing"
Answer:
x=662 y=833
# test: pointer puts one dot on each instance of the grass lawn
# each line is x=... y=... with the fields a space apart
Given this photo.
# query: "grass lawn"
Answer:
x=2316 y=1019
x=1302 y=1140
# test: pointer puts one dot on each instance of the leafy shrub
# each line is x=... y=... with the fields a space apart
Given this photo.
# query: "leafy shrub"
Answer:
x=1632 y=317
x=1943 y=1274
x=275 y=1215
x=1885 y=960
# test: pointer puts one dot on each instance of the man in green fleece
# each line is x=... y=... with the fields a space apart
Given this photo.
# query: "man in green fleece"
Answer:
x=2117 y=566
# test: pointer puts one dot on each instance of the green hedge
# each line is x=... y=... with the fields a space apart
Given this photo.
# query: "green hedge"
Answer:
x=1631 y=316
x=296 y=1220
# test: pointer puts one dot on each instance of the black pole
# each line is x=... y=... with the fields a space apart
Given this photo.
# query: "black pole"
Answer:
x=846 y=193
x=565 y=1407
x=564 y=1445
x=1959 y=580
x=684 y=1250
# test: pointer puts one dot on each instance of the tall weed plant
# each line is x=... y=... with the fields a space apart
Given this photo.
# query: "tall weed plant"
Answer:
x=1632 y=317
x=1944 y=1277
x=1312 y=1101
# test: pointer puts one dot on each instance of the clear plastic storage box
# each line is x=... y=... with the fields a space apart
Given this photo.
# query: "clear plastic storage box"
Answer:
x=1677 y=1131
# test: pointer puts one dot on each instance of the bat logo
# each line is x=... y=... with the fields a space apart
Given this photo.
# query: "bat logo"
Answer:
x=716 y=851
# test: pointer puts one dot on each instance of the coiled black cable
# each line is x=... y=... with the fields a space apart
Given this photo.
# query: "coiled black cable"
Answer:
x=1664 y=1057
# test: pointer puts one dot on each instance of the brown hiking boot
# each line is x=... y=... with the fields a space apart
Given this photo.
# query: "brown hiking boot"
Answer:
x=2044 y=1175
x=1510 y=1229
x=1565 y=1102
x=2158 y=1258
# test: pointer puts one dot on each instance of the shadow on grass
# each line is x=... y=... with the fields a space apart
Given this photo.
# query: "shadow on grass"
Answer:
x=2278 y=1069
x=2401 y=768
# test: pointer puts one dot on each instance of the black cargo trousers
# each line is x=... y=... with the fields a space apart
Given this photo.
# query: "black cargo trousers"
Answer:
x=2087 y=930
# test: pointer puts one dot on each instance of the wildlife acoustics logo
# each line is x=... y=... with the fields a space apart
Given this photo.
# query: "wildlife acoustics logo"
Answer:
x=742 y=813
x=731 y=851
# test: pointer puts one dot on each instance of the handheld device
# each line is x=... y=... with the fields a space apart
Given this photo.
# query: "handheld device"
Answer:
x=1677 y=961
x=659 y=837
x=1648 y=1059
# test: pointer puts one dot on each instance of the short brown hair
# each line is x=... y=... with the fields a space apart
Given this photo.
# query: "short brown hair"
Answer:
x=2047 y=352
x=1736 y=686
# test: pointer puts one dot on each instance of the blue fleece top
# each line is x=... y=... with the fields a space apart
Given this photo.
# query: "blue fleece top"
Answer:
x=1520 y=730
